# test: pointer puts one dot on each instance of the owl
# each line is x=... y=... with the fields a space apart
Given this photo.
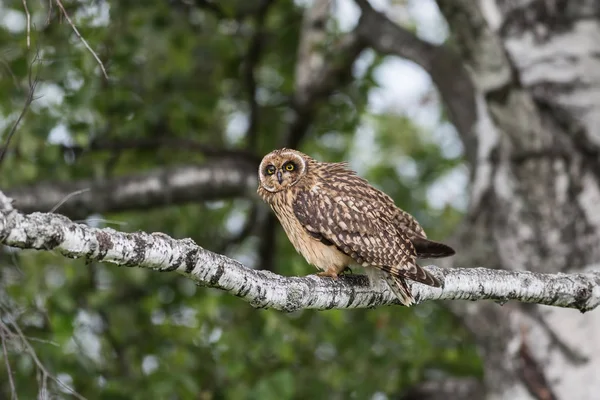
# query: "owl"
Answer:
x=336 y=219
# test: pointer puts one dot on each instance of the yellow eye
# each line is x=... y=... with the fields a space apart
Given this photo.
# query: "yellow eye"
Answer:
x=290 y=167
x=270 y=170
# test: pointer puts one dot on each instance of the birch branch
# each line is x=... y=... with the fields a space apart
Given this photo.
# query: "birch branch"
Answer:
x=224 y=178
x=263 y=289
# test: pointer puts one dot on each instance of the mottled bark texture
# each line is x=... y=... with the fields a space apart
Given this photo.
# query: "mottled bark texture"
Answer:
x=535 y=190
x=48 y=231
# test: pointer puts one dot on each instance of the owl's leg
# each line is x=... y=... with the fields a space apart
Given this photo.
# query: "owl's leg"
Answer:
x=333 y=271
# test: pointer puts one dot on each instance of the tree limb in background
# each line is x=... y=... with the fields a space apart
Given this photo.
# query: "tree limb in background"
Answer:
x=163 y=141
x=28 y=18
x=210 y=6
x=445 y=68
x=33 y=82
x=263 y=289
x=85 y=43
x=219 y=179
x=446 y=388
x=320 y=69
x=251 y=60
x=311 y=56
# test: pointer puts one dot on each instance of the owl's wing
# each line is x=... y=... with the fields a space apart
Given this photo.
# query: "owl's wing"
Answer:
x=359 y=227
x=408 y=223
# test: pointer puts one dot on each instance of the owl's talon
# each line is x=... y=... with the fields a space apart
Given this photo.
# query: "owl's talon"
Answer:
x=347 y=270
x=330 y=274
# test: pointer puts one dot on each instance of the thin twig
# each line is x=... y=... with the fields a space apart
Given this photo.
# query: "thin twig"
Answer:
x=85 y=43
x=40 y=365
x=14 y=78
x=43 y=375
x=103 y=220
x=13 y=389
x=67 y=197
x=32 y=85
x=43 y=385
x=49 y=12
x=28 y=15
x=44 y=341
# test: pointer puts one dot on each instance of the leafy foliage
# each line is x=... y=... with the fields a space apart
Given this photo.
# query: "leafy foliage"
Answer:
x=177 y=72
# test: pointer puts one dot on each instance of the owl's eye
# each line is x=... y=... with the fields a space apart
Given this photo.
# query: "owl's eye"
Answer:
x=270 y=170
x=290 y=167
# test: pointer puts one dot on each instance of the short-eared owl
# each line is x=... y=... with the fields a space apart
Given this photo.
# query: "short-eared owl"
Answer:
x=334 y=219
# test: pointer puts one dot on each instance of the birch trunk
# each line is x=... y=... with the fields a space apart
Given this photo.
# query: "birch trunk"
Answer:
x=535 y=202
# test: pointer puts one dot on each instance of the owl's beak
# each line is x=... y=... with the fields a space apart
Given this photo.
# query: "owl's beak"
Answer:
x=279 y=177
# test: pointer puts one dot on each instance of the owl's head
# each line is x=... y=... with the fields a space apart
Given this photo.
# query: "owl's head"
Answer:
x=282 y=169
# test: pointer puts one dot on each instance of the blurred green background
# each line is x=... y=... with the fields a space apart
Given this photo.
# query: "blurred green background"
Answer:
x=180 y=70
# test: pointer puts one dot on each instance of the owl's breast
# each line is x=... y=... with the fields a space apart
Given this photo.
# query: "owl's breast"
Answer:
x=313 y=250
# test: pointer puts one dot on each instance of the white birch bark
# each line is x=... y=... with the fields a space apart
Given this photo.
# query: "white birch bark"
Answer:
x=535 y=201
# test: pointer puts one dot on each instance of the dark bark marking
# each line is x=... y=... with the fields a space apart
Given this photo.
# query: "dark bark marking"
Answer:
x=191 y=259
x=555 y=15
x=55 y=238
x=245 y=289
x=139 y=250
x=351 y=298
x=582 y=295
x=104 y=244
x=532 y=374
x=218 y=274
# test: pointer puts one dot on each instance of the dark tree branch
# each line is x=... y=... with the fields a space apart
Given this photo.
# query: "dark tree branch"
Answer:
x=532 y=373
x=226 y=178
x=444 y=389
x=156 y=143
x=445 y=68
x=33 y=81
x=268 y=243
x=251 y=61
x=208 y=5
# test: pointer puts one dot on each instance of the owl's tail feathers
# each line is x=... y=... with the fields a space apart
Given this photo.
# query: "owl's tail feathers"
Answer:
x=429 y=249
x=401 y=291
x=395 y=278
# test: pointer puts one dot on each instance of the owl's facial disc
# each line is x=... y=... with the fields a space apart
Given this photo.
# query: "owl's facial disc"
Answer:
x=278 y=172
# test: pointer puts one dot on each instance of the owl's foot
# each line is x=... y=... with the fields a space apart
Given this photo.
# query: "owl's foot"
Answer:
x=329 y=273
x=334 y=273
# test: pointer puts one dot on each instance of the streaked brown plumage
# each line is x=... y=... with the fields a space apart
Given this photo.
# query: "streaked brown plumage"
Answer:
x=334 y=219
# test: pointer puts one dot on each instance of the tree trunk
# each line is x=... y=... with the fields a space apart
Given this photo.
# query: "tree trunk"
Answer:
x=535 y=202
